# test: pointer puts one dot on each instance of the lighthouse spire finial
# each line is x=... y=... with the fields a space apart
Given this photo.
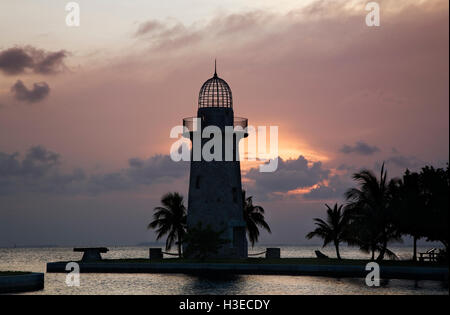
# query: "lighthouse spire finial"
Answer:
x=215 y=67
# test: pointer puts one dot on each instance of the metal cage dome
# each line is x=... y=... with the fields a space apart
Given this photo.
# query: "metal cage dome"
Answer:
x=215 y=92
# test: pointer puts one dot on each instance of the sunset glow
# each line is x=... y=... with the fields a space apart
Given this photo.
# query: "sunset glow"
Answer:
x=344 y=97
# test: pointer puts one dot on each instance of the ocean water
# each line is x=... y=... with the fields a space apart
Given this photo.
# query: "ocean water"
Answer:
x=35 y=259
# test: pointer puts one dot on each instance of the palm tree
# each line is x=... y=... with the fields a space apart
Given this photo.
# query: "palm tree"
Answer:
x=203 y=242
x=372 y=209
x=411 y=214
x=170 y=218
x=254 y=217
x=436 y=185
x=334 y=229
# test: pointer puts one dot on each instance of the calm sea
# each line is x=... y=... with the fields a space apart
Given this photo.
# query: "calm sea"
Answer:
x=35 y=259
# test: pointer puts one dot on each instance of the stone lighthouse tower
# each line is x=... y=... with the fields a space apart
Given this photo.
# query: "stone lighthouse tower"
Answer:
x=215 y=188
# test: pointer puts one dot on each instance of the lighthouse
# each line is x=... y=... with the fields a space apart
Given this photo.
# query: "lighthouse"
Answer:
x=215 y=187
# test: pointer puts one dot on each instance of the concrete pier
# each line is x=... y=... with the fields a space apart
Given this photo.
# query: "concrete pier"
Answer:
x=22 y=282
x=339 y=271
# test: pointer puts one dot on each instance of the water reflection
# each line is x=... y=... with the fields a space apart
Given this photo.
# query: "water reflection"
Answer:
x=210 y=283
x=35 y=259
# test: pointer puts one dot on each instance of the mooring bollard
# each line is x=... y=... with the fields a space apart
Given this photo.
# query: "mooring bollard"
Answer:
x=156 y=253
x=273 y=253
x=91 y=253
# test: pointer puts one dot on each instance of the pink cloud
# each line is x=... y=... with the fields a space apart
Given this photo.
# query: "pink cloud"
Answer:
x=319 y=73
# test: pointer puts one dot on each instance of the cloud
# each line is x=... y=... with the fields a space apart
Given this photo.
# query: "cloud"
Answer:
x=29 y=174
x=335 y=188
x=405 y=162
x=39 y=172
x=170 y=36
x=35 y=164
x=149 y=27
x=50 y=62
x=290 y=175
x=317 y=74
x=158 y=167
x=17 y=60
x=173 y=35
x=155 y=170
x=39 y=91
x=359 y=148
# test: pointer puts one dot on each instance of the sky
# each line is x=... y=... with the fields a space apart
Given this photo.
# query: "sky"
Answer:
x=86 y=112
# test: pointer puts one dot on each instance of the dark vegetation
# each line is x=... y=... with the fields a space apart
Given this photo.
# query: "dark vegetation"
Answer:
x=381 y=211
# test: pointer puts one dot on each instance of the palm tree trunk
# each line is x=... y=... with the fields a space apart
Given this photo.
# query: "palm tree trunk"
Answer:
x=445 y=243
x=179 y=250
x=382 y=252
x=446 y=246
x=415 y=248
x=383 y=248
x=180 y=254
x=336 y=244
